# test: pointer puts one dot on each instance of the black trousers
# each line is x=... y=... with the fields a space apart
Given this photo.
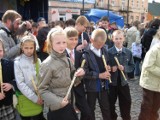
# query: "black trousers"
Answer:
x=103 y=102
x=65 y=113
x=37 y=117
x=150 y=105
x=81 y=102
x=124 y=97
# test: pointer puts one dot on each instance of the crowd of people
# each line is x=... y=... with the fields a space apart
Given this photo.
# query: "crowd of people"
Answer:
x=39 y=62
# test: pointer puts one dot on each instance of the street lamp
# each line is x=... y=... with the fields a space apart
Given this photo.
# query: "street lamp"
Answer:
x=83 y=7
x=108 y=9
x=128 y=12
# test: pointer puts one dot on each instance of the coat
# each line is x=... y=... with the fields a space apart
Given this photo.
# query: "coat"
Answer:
x=150 y=77
x=125 y=58
x=55 y=79
x=133 y=35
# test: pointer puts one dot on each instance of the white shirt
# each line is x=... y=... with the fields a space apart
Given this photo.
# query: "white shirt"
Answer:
x=69 y=53
x=95 y=50
x=118 y=49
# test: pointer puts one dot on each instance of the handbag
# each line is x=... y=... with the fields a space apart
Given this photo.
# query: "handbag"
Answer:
x=26 y=107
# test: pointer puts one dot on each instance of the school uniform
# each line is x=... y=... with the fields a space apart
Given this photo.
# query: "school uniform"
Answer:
x=6 y=105
x=79 y=92
x=119 y=87
x=96 y=88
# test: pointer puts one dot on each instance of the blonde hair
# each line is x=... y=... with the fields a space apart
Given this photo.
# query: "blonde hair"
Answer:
x=99 y=34
x=117 y=32
x=71 y=32
x=50 y=37
x=82 y=20
x=29 y=38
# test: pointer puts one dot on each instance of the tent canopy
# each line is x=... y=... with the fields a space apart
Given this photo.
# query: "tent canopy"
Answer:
x=96 y=14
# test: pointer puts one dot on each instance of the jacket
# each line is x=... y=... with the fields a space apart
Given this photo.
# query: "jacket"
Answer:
x=12 y=49
x=150 y=77
x=91 y=78
x=55 y=79
x=133 y=35
x=25 y=71
x=8 y=77
x=125 y=58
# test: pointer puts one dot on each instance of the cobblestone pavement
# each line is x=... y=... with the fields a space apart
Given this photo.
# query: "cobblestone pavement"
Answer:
x=136 y=95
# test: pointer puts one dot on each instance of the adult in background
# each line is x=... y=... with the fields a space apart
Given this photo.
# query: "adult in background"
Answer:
x=150 y=82
x=133 y=35
x=10 y=24
x=148 y=36
x=43 y=30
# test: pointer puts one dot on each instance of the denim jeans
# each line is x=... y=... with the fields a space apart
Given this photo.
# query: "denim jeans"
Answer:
x=137 y=70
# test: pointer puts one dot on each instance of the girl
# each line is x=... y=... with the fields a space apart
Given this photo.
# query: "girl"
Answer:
x=55 y=77
x=25 y=71
x=6 y=91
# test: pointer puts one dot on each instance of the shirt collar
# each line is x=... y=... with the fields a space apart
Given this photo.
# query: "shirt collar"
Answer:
x=95 y=50
x=118 y=49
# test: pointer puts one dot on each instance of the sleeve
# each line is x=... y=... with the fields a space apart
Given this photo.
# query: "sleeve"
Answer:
x=89 y=74
x=130 y=66
x=49 y=97
x=138 y=38
x=10 y=52
x=22 y=86
x=150 y=62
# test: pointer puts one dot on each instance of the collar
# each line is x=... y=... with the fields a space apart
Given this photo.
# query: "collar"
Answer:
x=115 y=51
x=69 y=51
x=118 y=49
x=95 y=50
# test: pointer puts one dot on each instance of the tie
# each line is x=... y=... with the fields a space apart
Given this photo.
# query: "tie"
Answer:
x=72 y=56
x=1 y=81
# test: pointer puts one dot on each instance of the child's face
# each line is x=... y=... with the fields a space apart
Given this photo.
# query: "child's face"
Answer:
x=1 y=51
x=98 y=44
x=59 y=43
x=28 y=48
x=72 y=42
x=81 y=28
x=105 y=24
x=118 y=40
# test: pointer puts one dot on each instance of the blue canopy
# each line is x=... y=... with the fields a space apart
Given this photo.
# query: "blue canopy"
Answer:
x=96 y=14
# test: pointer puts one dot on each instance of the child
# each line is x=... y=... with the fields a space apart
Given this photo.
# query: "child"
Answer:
x=7 y=76
x=150 y=82
x=55 y=77
x=119 y=87
x=96 y=77
x=76 y=56
x=25 y=71
x=137 y=52
x=83 y=39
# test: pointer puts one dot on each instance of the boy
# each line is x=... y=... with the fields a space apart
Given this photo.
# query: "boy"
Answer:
x=119 y=87
x=75 y=56
x=96 y=77
x=105 y=26
x=83 y=39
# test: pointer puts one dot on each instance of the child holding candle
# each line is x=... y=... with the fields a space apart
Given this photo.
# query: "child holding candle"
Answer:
x=26 y=73
x=6 y=90
x=121 y=61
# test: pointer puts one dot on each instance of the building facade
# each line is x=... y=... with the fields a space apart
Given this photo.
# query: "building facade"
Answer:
x=129 y=9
